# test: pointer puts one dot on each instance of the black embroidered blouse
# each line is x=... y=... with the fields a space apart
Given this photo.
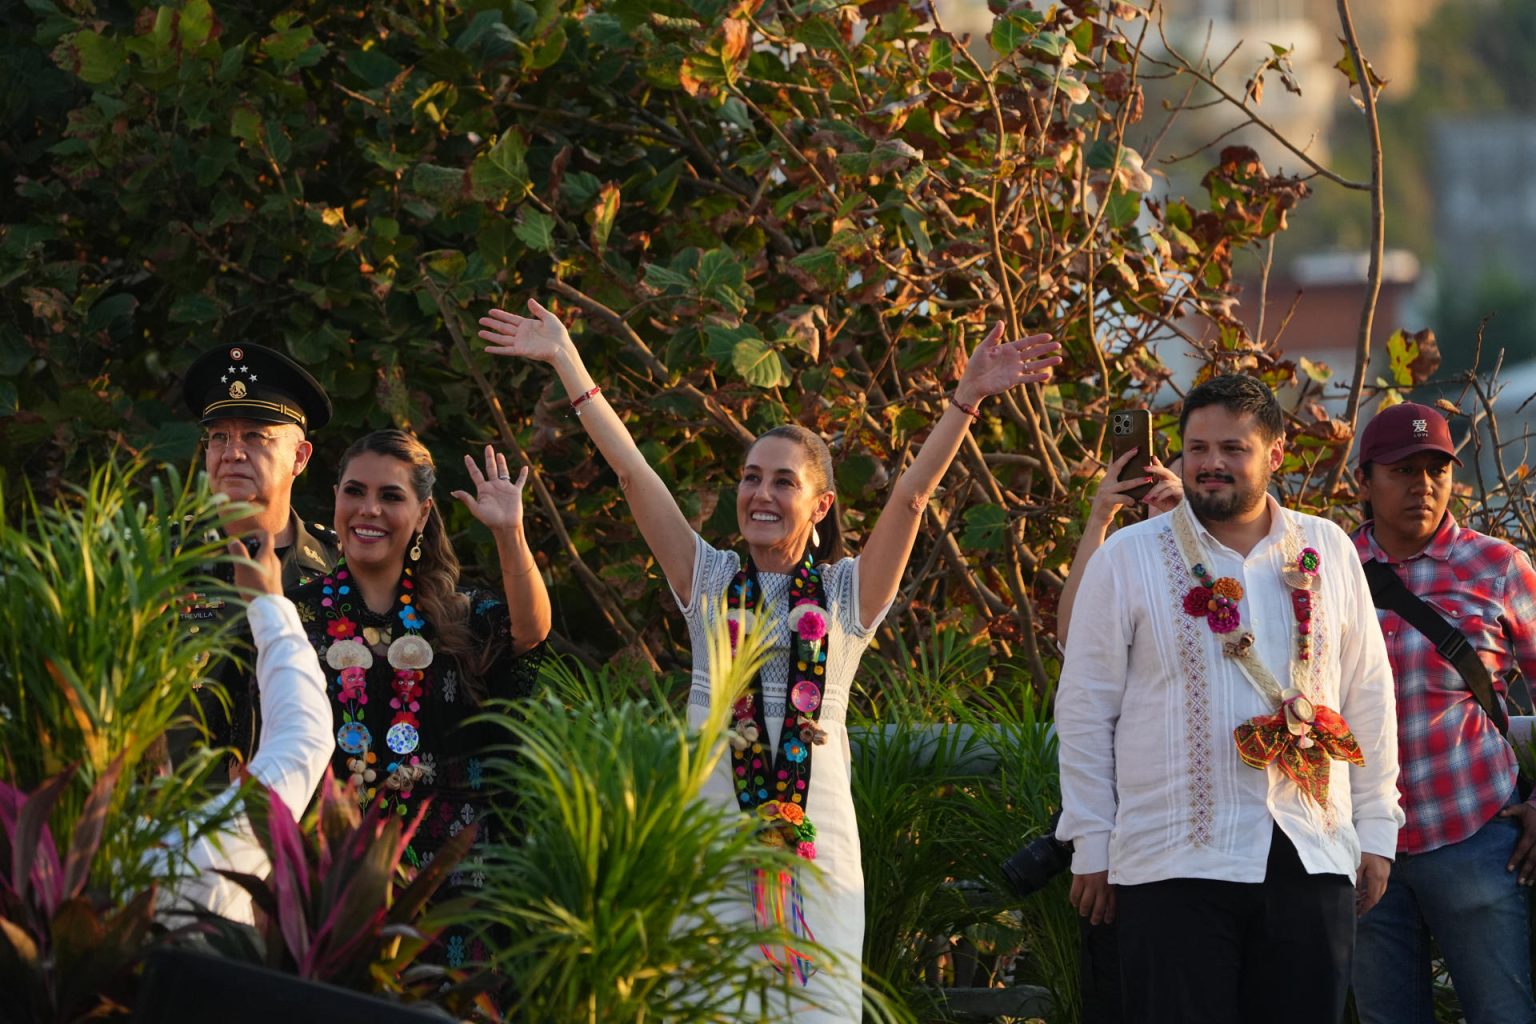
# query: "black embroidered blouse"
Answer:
x=453 y=753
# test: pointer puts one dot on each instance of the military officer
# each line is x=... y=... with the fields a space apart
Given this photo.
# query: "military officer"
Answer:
x=257 y=408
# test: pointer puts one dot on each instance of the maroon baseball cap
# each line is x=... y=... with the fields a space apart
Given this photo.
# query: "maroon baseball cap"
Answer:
x=1403 y=430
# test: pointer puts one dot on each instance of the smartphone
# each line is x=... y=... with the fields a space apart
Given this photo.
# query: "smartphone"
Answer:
x=1132 y=428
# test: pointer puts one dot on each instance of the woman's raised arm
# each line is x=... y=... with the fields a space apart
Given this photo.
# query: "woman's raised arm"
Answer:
x=993 y=368
x=498 y=503
x=543 y=338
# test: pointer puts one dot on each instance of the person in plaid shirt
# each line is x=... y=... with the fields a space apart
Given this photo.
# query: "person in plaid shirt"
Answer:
x=1469 y=844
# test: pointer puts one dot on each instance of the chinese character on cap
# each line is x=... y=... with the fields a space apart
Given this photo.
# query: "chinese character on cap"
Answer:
x=1403 y=430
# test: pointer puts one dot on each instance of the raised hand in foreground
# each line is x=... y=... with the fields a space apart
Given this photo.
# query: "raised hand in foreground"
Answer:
x=996 y=366
x=540 y=337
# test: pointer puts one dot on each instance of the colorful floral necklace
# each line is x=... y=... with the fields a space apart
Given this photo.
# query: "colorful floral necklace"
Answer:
x=1299 y=736
x=1300 y=577
x=409 y=655
x=777 y=784
x=1216 y=601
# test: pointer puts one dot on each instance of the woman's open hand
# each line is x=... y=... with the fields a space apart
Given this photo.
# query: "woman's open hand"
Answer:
x=498 y=499
x=540 y=337
x=998 y=365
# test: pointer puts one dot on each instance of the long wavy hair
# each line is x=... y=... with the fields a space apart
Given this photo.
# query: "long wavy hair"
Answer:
x=819 y=458
x=437 y=571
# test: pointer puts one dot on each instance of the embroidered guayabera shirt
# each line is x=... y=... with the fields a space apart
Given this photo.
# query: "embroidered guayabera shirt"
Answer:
x=1152 y=786
x=1457 y=770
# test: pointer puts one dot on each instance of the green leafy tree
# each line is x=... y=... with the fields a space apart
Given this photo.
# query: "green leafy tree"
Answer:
x=756 y=211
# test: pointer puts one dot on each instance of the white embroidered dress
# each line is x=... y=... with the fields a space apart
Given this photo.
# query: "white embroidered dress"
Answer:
x=834 y=905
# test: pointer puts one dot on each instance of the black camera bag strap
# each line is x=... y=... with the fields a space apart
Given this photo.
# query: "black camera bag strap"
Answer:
x=1389 y=592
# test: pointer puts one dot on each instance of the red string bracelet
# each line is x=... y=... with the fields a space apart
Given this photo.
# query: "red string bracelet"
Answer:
x=577 y=402
x=969 y=410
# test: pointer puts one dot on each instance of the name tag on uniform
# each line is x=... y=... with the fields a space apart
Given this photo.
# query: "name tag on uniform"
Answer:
x=199 y=610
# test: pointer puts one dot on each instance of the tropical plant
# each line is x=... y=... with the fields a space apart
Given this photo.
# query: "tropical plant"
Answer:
x=955 y=769
x=337 y=906
x=1017 y=807
x=66 y=951
x=610 y=897
x=97 y=665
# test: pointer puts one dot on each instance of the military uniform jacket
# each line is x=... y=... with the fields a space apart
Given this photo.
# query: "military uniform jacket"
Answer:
x=314 y=552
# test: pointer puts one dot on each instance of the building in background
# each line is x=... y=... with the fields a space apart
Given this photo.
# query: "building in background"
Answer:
x=1388 y=33
x=1485 y=197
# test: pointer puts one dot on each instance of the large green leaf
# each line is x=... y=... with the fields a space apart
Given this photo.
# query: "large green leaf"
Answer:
x=502 y=170
x=759 y=364
x=604 y=214
x=95 y=58
x=194 y=308
x=536 y=229
x=986 y=527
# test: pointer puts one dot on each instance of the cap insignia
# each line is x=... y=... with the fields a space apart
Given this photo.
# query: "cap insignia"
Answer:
x=236 y=354
x=1421 y=429
x=237 y=389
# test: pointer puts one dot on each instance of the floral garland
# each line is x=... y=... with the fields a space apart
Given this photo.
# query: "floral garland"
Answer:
x=1299 y=737
x=1214 y=600
x=777 y=784
x=350 y=654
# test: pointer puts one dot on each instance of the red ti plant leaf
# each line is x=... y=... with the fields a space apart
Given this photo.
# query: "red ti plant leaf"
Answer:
x=427 y=881
x=290 y=877
x=337 y=814
x=94 y=955
x=351 y=925
x=34 y=858
x=87 y=837
x=23 y=948
x=258 y=889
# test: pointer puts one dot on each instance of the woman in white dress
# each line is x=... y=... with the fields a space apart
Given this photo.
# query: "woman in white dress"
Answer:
x=823 y=609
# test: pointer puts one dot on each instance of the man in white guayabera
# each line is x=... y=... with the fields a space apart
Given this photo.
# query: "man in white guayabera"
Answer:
x=1228 y=738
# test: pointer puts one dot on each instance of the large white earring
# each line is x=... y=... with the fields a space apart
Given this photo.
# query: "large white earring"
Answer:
x=815 y=537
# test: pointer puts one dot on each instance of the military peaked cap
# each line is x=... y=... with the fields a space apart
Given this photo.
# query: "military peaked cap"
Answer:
x=250 y=382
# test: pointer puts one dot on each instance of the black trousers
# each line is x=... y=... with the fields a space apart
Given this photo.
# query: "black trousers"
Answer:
x=1099 y=949
x=1195 y=951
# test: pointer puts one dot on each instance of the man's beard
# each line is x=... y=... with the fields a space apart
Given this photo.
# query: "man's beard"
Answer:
x=1220 y=508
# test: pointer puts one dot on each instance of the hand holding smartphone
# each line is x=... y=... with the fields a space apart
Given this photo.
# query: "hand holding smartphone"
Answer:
x=265 y=576
x=1132 y=428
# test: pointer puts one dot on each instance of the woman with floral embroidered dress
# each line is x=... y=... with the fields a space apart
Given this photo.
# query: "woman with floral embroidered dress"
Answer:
x=821 y=609
x=409 y=654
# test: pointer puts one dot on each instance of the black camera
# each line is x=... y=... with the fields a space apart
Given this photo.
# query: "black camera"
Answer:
x=1031 y=868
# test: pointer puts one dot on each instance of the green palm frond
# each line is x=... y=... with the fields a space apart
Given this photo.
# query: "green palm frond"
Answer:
x=610 y=900
x=96 y=662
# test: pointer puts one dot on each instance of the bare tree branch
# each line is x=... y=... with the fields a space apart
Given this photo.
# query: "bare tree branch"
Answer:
x=1368 y=91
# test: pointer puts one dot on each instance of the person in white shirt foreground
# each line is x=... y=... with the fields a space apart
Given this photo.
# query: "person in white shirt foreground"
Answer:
x=1228 y=738
x=295 y=746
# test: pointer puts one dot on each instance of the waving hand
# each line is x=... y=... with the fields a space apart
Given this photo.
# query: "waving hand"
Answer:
x=540 y=336
x=498 y=499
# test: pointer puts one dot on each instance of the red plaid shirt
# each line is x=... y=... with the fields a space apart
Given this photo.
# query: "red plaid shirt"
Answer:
x=1457 y=771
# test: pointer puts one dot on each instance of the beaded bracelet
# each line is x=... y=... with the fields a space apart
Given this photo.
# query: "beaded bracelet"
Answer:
x=969 y=410
x=580 y=400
